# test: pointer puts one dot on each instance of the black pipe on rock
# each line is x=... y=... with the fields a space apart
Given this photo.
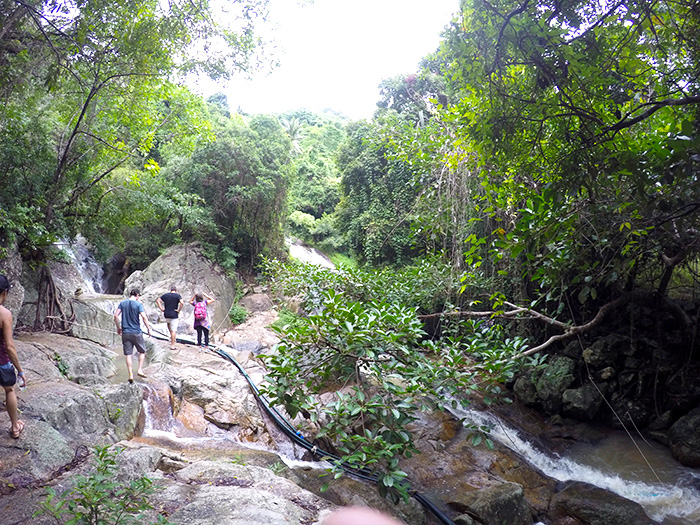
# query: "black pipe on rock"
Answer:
x=285 y=426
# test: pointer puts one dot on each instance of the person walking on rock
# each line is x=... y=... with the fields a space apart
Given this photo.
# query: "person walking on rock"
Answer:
x=130 y=311
x=170 y=304
x=201 y=317
x=9 y=362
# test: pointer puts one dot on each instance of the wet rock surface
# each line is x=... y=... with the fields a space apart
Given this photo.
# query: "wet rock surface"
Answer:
x=194 y=439
x=190 y=271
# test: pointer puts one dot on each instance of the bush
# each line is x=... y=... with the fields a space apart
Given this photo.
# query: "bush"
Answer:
x=363 y=334
x=427 y=285
x=100 y=499
x=237 y=314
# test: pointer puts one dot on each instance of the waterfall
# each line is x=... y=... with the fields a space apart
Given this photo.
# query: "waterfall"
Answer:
x=674 y=500
x=308 y=255
x=85 y=263
x=161 y=428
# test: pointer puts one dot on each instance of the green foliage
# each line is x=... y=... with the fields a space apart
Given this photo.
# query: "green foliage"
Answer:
x=301 y=224
x=378 y=197
x=237 y=459
x=427 y=285
x=339 y=259
x=277 y=468
x=60 y=364
x=99 y=499
x=314 y=188
x=237 y=314
x=89 y=102
x=286 y=318
x=567 y=155
x=242 y=178
x=375 y=357
x=413 y=97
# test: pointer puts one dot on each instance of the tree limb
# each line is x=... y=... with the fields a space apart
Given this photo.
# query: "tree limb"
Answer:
x=654 y=107
x=569 y=330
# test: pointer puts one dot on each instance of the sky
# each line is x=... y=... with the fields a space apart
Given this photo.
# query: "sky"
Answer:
x=334 y=53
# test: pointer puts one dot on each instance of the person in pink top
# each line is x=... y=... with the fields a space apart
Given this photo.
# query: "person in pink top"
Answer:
x=202 y=324
x=9 y=362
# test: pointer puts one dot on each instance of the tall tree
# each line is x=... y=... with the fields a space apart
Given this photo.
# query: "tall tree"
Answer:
x=584 y=120
x=378 y=198
x=91 y=81
x=242 y=176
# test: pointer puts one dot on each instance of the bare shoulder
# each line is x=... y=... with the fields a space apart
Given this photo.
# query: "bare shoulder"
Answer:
x=5 y=315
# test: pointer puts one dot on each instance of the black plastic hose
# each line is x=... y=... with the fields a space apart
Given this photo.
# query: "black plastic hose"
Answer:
x=296 y=437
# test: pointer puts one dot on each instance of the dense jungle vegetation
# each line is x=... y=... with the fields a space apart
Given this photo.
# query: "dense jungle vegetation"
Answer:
x=543 y=164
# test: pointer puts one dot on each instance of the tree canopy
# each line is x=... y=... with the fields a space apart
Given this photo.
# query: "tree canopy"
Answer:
x=88 y=89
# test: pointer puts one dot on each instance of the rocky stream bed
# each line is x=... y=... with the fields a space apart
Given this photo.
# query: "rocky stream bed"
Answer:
x=194 y=427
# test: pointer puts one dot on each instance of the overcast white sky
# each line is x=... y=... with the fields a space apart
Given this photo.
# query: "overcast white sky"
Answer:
x=334 y=53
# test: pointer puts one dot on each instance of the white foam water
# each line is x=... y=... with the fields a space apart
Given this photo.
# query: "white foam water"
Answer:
x=665 y=502
x=86 y=264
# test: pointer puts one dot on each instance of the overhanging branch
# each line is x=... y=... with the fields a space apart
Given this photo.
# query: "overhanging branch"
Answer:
x=521 y=313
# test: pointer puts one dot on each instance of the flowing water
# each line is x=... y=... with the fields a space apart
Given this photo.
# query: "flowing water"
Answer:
x=86 y=264
x=666 y=490
x=191 y=433
x=308 y=255
x=645 y=473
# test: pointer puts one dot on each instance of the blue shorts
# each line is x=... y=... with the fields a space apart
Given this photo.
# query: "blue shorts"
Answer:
x=7 y=375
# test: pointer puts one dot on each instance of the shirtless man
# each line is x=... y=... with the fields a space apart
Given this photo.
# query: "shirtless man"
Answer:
x=9 y=362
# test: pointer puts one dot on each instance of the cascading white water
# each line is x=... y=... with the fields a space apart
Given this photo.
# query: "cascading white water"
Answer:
x=86 y=264
x=162 y=428
x=308 y=255
x=673 y=500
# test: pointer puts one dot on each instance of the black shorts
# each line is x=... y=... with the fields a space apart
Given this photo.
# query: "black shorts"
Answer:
x=7 y=376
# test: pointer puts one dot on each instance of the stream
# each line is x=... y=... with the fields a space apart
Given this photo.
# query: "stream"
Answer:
x=632 y=468
x=650 y=476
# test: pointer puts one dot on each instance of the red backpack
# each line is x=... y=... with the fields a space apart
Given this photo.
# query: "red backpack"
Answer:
x=200 y=311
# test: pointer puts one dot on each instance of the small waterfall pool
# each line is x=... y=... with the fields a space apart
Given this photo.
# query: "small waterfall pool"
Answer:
x=191 y=433
x=614 y=464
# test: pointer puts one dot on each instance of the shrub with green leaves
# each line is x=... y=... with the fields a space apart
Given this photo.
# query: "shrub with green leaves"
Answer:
x=237 y=314
x=427 y=285
x=99 y=499
x=383 y=369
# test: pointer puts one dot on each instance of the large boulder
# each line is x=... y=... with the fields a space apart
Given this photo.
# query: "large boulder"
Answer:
x=595 y=506
x=94 y=318
x=604 y=352
x=68 y=403
x=684 y=439
x=190 y=271
x=208 y=492
x=500 y=503
x=216 y=386
x=254 y=335
x=555 y=379
x=583 y=403
x=201 y=492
